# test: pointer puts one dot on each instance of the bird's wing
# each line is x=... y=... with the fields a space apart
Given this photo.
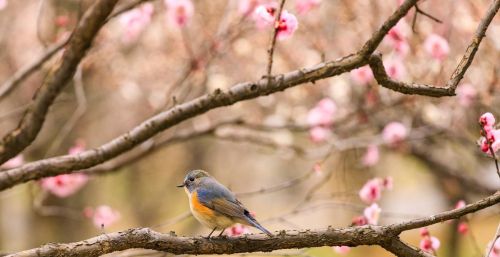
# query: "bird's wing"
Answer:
x=220 y=199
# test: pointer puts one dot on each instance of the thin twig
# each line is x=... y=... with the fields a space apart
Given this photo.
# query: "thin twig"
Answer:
x=420 y=11
x=272 y=43
x=495 y=238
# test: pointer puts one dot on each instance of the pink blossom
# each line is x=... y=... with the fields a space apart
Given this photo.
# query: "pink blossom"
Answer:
x=359 y=221
x=304 y=6
x=371 y=191
x=487 y=121
x=246 y=7
x=395 y=68
x=264 y=15
x=424 y=232
x=77 y=148
x=319 y=134
x=342 y=249
x=322 y=113
x=463 y=228
x=135 y=21
x=429 y=244
x=103 y=216
x=394 y=133
x=492 y=139
x=495 y=251
x=388 y=183
x=14 y=162
x=466 y=94
x=3 y=4
x=460 y=204
x=64 y=185
x=396 y=38
x=371 y=156
x=62 y=21
x=372 y=213
x=287 y=25
x=362 y=75
x=437 y=47
x=179 y=12
x=237 y=230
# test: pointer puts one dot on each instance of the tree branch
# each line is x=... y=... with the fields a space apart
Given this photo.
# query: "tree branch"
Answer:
x=385 y=236
x=34 y=117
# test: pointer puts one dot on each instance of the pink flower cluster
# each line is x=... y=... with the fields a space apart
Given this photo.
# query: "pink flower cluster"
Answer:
x=66 y=184
x=372 y=189
x=490 y=136
x=264 y=16
x=179 y=12
x=135 y=21
x=394 y=133
x=428 y=243
x=437 y=47
x=237 y=230
x=103 y=216
x=304 y=6
x=320 y=119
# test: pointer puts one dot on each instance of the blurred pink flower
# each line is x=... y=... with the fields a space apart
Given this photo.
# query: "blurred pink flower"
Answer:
x=371 y=156
x=3 y=4
x=359 y=221
x=394 y=133
x=322 y=114
x=424 y=232
x=237 y=230
x=495 y=251
x=466 y=94
x=388 y=183
x=135 y=21
x=247 y=7
x=179 y=12
x=493 y=141
x=371 y=191
x=395 y=68
x=342 y=249
x=437 y=47
x=487 y=121
x=460 y=204
x=64 y=185
x=319 y=134
x=429 y=243
x=304 y=6
x=372 y=213
x=62 y=21
x=362 y=75
x=463 y=228
x=264 y=15
x=14 y=162
x=103 y=216
x=396 y=38
x=287 y=25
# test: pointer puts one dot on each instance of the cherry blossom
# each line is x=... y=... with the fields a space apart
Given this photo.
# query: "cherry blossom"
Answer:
x=179 y=12
x=3 y=4
x=429 y=243
x=359 y=221
x=396 y=38
x=394 y=133
x=237 y=230
x=424 y=232
x=287 y=25
x=264 y=15
x=362 y=75
x=466 y=94
x=319 y=134
x=463 y=228
x=460 y=204
x=372 y=213
x=103 y=216
x=304 y=6
x=14 y=162
x=135 y=21
x=342 y=249
x=371 y=191
x=487 y=121
x=437 y=47
x=388 y=183
x=322 y=113
x=371 y=156
x=395 y=68
x=495 y=251
x=246 y=7
x=491 y=136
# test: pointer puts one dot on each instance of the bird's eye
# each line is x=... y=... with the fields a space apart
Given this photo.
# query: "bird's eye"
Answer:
x=191 y=179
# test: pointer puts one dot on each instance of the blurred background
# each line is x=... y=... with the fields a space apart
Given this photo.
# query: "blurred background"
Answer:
x=291 y=170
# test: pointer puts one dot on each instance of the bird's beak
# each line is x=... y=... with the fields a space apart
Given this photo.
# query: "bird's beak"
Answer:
x=181 y=185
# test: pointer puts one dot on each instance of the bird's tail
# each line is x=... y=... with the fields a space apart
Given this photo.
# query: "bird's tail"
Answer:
x=256 y=224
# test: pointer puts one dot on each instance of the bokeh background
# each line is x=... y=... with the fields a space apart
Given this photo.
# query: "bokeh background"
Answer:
x=264 y=142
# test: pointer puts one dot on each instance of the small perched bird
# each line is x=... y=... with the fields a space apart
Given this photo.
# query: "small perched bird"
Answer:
x=215 y=206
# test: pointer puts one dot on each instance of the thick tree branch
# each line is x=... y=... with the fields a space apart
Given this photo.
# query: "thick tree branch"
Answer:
x=197 y=106
x=385 y=236
x=34 y=117
x=384 y=80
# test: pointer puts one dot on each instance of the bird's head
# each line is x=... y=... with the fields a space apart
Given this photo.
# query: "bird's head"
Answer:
x=193 y=179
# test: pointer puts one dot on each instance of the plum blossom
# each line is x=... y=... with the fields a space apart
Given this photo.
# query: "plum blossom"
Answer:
x=371 y=191
x=388 y=183
x=237 y=230
x=264 y=15
x=466 y=94
x=372 y=213
x=437 y=47
x=495 y=251
x=371 y=156
x=102 y=216
x=490 y=135
x=359 y=221
x=395 y=68
x=394 y=133
x=319 y=134
x=429 y=243
x=135 y=21
x=179 y=12
x=3 y=4
x=362 y=75
x=342 y=249
x=460 y=204
x=463 y=228
x=320 y=118
x=396 y=38
x=304 y=6
x=13 y=162
x=287 y=25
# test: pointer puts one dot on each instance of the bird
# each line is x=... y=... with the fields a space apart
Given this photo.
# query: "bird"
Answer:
x=214 y=205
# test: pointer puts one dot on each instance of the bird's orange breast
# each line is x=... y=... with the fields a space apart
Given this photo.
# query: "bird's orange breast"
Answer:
x=199 y=207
